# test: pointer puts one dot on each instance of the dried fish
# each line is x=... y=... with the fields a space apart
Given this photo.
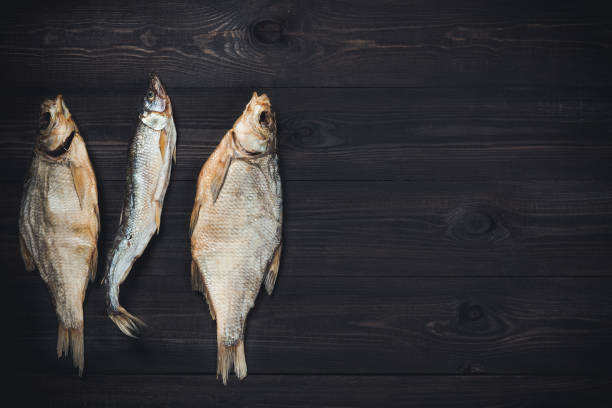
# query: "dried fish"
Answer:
x=149 y=165
x=59 y=222
x=236 y=228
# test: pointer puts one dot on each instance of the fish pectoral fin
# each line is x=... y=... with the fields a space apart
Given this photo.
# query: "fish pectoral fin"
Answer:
x=163 y=142
x=81 y=179
x=218 y=177
x=174 y=154
x=28 y=260
x=163 y=178
x=273 y=270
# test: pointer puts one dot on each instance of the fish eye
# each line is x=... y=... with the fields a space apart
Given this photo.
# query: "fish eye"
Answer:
x=150 y=95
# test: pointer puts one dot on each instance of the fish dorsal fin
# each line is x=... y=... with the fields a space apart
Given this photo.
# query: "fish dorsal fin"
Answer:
x=195 y=214
x=158 y=210
x=171 y=132
x=28 y=259
x=154 y=120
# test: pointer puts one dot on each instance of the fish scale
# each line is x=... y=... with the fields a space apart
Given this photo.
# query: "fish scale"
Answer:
x=240 y=215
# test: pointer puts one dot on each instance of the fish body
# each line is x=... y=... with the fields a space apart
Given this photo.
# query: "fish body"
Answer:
x=236 y=228
x=150 y=157
x=59 y=222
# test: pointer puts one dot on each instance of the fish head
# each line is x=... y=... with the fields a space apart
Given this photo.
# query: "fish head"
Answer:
x=156 y=108
x=55 y=124
x=156 y=98
x=255 y=130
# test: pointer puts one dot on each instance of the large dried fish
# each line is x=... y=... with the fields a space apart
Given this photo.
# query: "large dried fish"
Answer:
x=149 y=164
x=59 y=222
x=236 y=228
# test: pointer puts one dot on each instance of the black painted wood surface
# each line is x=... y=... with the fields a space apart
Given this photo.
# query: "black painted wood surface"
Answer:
x=447 y=174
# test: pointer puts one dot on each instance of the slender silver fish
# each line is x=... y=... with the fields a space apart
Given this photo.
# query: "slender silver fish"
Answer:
x=59 y=222
x=236 y=228
x=150 y=157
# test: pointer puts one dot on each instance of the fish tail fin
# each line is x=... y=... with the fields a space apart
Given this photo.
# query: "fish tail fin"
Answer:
x=120 y=263
x=129 y=324
x=273 y=270
x=71 y=340
x=197 y=284
x=93 y=264
x=228 y=356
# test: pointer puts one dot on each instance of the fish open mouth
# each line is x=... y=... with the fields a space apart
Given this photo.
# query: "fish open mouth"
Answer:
x=266 y=119
x=156 y=85
x=44 y=120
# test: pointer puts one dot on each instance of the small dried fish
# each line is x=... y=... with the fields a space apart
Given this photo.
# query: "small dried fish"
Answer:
x=149 y=164
x=59 y=222
x=236 y=228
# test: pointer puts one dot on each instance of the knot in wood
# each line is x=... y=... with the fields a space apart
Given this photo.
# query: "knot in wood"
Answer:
x=267 y=31
x=477 y=222
x=471 y=312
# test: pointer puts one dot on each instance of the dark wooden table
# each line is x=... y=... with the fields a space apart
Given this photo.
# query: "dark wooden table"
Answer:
x=447 y=171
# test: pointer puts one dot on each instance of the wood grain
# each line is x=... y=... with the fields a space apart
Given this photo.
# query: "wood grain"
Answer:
x=309 y=44
x=447 y=187
x=358 y=325
x=355 y=134
x=393 y=229
x=322 y=391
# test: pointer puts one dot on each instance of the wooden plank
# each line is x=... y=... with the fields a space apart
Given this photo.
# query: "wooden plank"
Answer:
x=309 y=44
x=543 y=326
x=392 y=228
x=455 y=222
x=321 y=391
x=355 y=134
